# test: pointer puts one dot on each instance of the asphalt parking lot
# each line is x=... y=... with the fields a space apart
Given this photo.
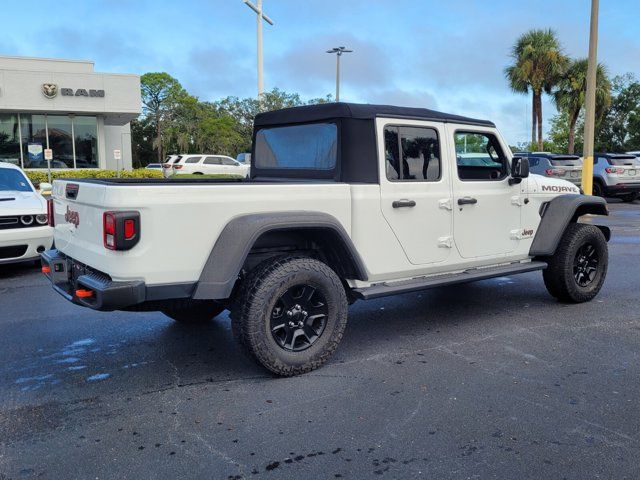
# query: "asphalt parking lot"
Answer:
x=486 y=380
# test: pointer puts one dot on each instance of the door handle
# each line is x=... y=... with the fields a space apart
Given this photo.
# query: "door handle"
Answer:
x=467 y=201
x=403 y=203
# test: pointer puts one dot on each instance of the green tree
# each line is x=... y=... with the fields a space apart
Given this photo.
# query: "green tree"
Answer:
x=142 y=133
x=619 y=130
x=570 y=94
x=538 y=64
x=159 y=94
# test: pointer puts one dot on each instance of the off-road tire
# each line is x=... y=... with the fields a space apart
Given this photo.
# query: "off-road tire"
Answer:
x=559 y=276
x=254 y=305
x=194 y=311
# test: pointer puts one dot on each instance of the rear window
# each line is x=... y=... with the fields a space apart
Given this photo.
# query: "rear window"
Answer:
x=177 y=159
x=630 y=160
x=13 y=180
x=566 y=162
x=313 y=146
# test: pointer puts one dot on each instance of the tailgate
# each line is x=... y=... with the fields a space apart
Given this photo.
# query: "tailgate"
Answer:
x=78 y=218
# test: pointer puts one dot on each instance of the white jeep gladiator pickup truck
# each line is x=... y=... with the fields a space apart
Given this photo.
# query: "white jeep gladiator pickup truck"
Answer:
x=345 y=202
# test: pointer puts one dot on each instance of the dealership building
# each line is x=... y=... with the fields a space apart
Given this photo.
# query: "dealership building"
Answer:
x=63 y=105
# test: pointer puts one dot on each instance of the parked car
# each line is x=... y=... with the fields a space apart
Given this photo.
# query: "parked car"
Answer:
x=24 y=229
x=554 y=165
x=209 y=165
x=154 y=166
x=167 y=166
x=349 y=202
x=244 y=158
x=635 y=153
x=616 y=175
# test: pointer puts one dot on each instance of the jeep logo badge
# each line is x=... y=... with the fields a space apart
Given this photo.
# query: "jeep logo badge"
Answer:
x=72 y=217
x=49 y=90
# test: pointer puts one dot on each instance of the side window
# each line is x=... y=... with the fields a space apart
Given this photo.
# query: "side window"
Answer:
x=479 y=157
x=412 y=154
x=533 y=161
x=228 y=161
x=193 y=160
x=211 y=161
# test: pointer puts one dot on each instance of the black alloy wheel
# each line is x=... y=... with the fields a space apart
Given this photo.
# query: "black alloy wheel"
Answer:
x=299 y=318
x=585 y=264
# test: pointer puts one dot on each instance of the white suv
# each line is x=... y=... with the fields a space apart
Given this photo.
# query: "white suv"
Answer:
x=208 y=165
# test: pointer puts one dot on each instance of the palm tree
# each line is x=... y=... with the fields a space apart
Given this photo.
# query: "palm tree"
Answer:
x=571 y=90
x=538 y=64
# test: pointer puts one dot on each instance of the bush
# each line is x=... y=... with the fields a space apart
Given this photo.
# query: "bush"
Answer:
x=39 y=176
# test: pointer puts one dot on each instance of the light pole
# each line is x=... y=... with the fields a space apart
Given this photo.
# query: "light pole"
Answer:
x=260 y=15
x=590 y=103
x=338 y=51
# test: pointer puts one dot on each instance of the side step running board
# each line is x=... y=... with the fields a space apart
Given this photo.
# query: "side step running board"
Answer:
x=392 y=288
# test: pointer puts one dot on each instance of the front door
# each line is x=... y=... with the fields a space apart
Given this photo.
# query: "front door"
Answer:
x=415 y=188
x=486 y=214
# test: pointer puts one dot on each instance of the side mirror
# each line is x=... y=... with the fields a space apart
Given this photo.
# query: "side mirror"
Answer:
x=45 y=188
x=519 y=169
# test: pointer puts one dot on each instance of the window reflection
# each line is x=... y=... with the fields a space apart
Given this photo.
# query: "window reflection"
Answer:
x=412 y=154
x=9 y=139
x=86 y=137
x=60 y=140
x=65 y=133
x=34 y=141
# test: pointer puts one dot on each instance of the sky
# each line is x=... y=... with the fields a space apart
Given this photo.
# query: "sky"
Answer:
x=445 y=55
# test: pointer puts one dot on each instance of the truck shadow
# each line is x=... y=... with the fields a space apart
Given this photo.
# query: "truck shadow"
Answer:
x=207 y=353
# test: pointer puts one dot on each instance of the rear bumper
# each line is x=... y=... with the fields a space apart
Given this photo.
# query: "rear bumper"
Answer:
x=622 y=188
x=68 y=276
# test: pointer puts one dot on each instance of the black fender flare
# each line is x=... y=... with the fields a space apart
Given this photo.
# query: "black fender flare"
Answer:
x=558 y=213
x=234 y=243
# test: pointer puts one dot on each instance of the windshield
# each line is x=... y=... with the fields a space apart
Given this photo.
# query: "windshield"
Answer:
x=13 y=180
x=313 y=146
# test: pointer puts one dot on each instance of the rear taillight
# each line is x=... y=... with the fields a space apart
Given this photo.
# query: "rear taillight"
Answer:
x=614 y=170
x=177 y=167
x=50 y=219
x=555 y=172
x=120 y=230
x=166 y=165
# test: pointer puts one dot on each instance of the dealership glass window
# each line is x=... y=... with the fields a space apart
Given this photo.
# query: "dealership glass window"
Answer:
x=73 y=139
x=86 y=138
x=60 y=140
x=33 y=129
x=9 y=138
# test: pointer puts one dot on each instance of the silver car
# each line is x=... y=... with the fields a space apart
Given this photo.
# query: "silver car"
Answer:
x=564 y=167
x=616 y=175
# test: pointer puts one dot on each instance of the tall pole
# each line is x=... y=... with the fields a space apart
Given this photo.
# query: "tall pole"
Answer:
x=338 y=51
x=260 y=16
x=338 y=76
x=259 y=30
x=590 y=103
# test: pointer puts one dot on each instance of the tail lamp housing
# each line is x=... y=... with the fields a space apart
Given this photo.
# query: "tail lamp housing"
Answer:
x=619 y=171
x=556 y=172
x=50 y=211
x=120 y=230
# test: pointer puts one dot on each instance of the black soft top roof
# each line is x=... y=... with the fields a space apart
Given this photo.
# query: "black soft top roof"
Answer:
x=327 y=111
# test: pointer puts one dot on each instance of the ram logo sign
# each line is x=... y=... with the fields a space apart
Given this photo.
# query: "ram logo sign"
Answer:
x=49 y=90
x=559 y=189
x=72 y=217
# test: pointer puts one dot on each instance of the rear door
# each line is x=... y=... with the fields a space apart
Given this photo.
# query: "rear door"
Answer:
x=212 y=165
x=486 y=218
x=415 y=188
